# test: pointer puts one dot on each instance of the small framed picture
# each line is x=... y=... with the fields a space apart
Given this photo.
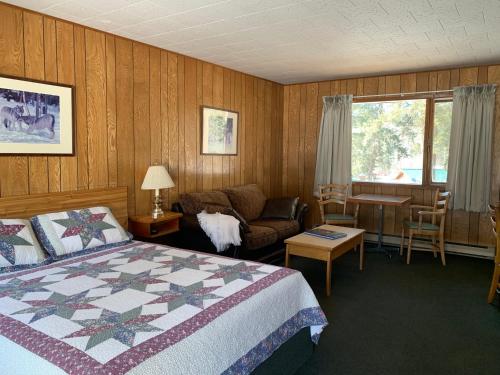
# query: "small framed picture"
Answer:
x=35 y=117
x=219 y=129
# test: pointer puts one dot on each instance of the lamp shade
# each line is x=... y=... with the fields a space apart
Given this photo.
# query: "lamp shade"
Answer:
x=157 y=177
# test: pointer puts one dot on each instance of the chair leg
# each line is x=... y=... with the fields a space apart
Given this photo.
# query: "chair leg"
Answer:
x=441 y=249
x=434 y=246
x=402 y=241
x=494 y=283
x=355 y=247
x=410 y=240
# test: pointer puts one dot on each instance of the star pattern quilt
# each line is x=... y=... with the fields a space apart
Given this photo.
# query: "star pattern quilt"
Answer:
x=149 y=309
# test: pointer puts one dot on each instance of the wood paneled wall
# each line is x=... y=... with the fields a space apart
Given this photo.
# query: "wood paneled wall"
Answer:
x=302 y=114
x=136 y=105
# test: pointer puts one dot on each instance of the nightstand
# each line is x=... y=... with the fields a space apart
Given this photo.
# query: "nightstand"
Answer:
x=148 y=228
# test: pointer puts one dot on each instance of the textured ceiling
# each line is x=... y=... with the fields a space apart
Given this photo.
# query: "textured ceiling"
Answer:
x=297 y=41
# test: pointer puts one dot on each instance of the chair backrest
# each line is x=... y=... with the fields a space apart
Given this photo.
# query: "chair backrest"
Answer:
x=441 y=200
x=493 y=219
x=333 y=193
x=494 y=212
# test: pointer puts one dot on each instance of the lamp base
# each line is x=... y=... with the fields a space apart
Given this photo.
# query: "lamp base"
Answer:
x=157 y=203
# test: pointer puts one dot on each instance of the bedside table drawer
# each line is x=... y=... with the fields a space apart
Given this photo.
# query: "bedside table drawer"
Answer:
x=148 y=227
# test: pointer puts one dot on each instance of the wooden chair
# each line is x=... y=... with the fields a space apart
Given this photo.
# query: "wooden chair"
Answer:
x=336 y=194
x=434 y=228
x=495 y=281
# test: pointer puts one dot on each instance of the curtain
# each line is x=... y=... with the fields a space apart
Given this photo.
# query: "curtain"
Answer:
x=469 y=161
x=333 y=158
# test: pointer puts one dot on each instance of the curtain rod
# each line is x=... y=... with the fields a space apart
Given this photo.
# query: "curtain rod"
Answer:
x=403 y=94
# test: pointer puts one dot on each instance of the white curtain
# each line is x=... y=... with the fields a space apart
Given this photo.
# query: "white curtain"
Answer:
x=469 y=163
x=333 y=158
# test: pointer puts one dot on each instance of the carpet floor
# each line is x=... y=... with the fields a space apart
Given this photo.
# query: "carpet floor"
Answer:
x=394 y=318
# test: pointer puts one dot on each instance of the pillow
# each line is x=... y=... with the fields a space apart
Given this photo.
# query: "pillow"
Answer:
x=68 y=232
x=18 y=244
x=280 y=208
x=248 y=200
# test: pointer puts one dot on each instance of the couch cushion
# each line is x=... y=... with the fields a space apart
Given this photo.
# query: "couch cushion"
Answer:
x=284 y=228
x=248 y=200
x=280 y=208
x=259 y=237
x=194 y=203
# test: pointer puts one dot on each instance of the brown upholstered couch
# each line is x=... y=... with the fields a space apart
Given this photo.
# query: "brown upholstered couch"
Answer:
x=261 y=237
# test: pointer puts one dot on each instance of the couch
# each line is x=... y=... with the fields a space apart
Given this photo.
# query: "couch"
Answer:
x=264 y=223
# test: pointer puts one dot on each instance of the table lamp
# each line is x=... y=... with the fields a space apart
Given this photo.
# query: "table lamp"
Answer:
x=157 y=178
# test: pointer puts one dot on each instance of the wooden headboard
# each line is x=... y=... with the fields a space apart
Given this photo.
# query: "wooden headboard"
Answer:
x=27 y=206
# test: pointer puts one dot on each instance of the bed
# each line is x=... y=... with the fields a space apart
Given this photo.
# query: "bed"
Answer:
x=142 y=308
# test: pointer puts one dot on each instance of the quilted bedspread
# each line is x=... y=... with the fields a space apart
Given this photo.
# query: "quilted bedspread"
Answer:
x=149 y=309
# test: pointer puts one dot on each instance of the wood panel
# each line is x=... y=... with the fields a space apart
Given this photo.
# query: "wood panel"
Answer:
x=13 y=170
x=97 y=131
x=34 y=68
x=298 y=147
x=27 y=206
x=50 y=48
x=136 y=105
x=66 y=75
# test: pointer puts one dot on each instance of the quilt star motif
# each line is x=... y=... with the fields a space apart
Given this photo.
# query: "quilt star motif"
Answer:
x=121 y=327
x=194 y=262
x=238 y=271
x=57 y=304
x=178 y=296
x=86 y=225
x=9 y=239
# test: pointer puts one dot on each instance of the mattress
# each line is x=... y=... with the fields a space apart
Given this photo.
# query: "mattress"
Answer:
x=145 y=308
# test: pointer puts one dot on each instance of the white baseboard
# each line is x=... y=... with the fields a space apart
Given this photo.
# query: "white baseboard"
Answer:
x=424 y=245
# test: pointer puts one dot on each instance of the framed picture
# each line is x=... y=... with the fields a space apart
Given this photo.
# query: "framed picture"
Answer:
x=219 y=131
x=35 y=117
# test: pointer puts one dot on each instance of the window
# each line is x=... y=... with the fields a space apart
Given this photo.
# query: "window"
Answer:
x=389 y=143
x=441 y=140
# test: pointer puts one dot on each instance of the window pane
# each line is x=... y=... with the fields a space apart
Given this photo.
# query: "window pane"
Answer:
x=388 y=141
x=441 y=140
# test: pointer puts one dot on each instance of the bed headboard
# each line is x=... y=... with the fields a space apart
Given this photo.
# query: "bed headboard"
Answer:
x=26 y=206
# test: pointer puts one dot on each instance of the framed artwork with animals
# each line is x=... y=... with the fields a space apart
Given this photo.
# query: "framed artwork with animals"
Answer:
x=35 y=117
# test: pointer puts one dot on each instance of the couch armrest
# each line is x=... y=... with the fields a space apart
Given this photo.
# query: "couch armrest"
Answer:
x=176 y=207
x=302 y=210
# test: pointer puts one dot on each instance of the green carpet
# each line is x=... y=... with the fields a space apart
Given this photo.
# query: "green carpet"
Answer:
x=395 y=318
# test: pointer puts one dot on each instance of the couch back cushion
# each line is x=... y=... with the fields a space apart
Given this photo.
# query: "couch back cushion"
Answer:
x=248 y=200
x=280 y=208
x=194 y=203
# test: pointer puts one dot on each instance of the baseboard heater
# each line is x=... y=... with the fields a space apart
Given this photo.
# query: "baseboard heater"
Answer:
x=487 y=252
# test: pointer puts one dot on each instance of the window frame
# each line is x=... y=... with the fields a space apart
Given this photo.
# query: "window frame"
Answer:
x=431 y=99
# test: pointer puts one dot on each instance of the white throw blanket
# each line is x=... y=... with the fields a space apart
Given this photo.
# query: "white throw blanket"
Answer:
x=223 y=230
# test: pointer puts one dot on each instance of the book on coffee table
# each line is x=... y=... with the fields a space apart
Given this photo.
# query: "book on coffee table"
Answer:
x=325 y=233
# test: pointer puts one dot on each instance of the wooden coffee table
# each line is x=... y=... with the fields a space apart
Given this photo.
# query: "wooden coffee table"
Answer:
x=308 y=246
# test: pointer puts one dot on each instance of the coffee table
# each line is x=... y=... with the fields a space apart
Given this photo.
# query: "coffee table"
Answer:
x=308 y=246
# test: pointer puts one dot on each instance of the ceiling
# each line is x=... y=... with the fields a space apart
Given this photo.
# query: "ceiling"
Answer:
x=298 y=41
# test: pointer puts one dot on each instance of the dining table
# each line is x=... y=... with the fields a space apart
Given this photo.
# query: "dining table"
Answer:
x=380 y=200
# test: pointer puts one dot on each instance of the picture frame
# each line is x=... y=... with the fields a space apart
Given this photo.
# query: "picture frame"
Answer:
x=219 y=131
x=36 y=117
